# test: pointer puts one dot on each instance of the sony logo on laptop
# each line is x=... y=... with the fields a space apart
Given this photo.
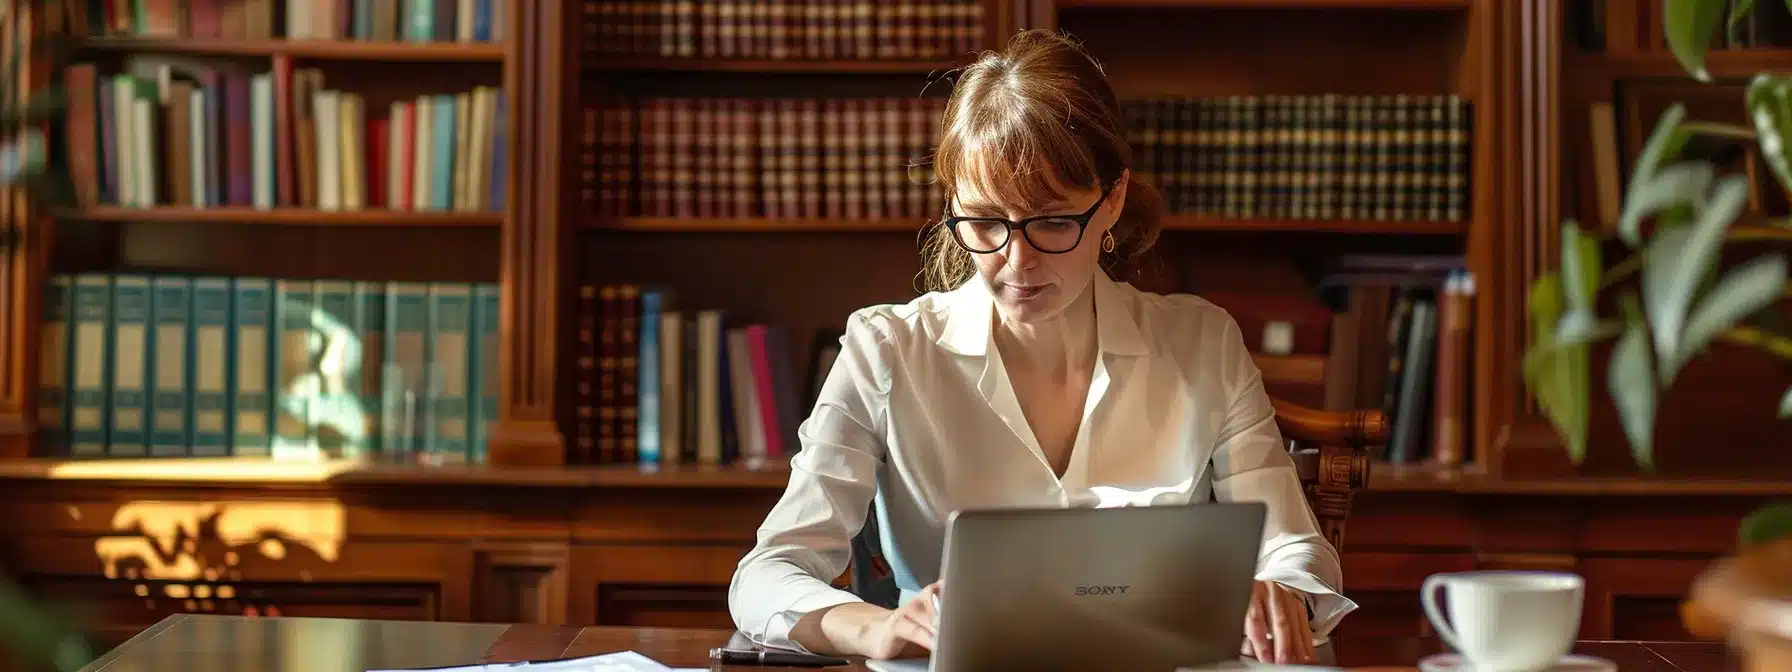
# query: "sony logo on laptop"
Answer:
x=1102 y=590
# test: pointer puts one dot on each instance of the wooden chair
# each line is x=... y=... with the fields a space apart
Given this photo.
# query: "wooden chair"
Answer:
x=1331 y=454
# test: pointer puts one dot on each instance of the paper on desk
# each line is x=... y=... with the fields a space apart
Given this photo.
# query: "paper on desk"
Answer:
x=622 y=661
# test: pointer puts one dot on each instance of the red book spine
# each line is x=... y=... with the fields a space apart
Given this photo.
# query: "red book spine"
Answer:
x=406 y=162
x=377 y=160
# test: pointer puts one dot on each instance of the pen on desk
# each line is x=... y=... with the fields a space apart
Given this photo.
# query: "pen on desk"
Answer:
x=773 y=658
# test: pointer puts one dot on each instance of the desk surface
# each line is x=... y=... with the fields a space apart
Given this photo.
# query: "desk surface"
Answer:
x=204 y=643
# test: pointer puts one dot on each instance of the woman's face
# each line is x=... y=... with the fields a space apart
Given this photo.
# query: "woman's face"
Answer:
x=1030 y=285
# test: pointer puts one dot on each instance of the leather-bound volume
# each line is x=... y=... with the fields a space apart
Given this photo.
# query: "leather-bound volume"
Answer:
x=1450 y=414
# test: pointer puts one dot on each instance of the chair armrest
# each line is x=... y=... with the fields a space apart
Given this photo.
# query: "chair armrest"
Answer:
x=1360 y=428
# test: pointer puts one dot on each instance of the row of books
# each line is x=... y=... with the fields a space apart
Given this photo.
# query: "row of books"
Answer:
x=660 y=384
x=362 y=20
x=784 y=29
x=774 y=157
x=193 y=366
x=171 y=131
x=1383 y=157
x=1402 y=341
x=1392 y=332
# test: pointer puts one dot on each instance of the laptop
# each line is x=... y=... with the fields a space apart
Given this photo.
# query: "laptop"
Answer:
x=1135 y=588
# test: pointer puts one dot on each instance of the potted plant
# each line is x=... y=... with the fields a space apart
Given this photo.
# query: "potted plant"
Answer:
x=1678 y=214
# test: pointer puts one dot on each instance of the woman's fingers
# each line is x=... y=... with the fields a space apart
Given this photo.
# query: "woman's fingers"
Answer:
x=914 y=631
x=1293 y=635
x=923 y=613
x=1287 y=641
x=1256 y=624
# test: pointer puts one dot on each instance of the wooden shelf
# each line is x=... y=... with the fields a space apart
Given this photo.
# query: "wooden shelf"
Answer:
x=744 y=65
x=262 y=472
x=755 y=225
x=1271 y=4
x=1175 y=222
x=286 y=216
x=343 y=50
x=1199 y=222
x=1723 y=64
x=1474 y=480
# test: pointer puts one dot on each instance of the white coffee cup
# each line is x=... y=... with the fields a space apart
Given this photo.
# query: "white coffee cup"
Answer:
x=1506 y=621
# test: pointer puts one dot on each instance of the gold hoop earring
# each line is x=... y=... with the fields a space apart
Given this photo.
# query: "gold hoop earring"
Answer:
x=1107 y=242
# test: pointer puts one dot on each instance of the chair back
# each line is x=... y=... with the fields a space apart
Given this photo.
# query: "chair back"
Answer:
x=1331 y=454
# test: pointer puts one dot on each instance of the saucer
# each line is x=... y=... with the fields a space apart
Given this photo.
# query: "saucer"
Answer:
x=1450 y=662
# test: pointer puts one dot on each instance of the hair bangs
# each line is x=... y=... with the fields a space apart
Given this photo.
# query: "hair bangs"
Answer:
x=1024 y=162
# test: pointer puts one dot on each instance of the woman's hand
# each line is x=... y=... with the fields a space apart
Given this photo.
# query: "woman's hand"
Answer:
x=1276 y=628
x=906 y=632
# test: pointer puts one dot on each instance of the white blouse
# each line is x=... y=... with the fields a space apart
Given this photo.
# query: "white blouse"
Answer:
x=918 y=412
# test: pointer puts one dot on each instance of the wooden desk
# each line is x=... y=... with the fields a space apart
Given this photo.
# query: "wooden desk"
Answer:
x=204 y=643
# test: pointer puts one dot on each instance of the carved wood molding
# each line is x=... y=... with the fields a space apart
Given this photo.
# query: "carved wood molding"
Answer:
x=522 y=582
x=536 y=73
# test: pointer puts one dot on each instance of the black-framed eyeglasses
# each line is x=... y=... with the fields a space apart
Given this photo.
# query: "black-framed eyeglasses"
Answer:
x=1051 y=234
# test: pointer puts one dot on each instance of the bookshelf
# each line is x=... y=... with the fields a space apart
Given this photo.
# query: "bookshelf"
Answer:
x=339 y=183
x=249 y=216
x=1608 y=78
x=316 y=49
x=696 y=220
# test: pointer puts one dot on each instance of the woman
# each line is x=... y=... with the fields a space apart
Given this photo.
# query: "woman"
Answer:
x=1028 y=378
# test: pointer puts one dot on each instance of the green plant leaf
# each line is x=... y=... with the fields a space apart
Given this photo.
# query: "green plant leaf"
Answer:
x=1786 y=404
x=38 y=635
x=1689 y=26
x=1739 y=10
x=1557 y=372
x=1632 y=386
x=1769 y=103
x=1678 y=258
x=1665 y=143
x=1581 y=267
x=1765 y=525
x=1575 y=329
x=1740 y=293
x=1675 y=185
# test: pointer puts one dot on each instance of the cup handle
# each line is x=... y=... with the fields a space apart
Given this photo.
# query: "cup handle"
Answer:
x=1428 y=592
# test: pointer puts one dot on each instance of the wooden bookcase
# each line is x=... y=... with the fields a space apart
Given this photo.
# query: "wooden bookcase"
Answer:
x=1605 y=79
x=536 y=536
x=457 y=242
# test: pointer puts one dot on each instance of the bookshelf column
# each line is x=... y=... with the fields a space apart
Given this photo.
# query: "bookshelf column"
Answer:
x=1525 y=445
x=536 y=72
x=24 y=245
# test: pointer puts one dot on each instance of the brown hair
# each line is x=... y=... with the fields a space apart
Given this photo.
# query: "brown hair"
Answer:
x=1040 y=104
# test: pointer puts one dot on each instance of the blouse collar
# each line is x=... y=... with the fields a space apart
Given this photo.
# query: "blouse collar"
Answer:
x=970 y=312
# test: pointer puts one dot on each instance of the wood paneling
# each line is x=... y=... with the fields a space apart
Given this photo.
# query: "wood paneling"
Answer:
x=651 y=554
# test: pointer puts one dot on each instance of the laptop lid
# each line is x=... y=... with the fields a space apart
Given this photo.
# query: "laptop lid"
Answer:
x=1134 y=588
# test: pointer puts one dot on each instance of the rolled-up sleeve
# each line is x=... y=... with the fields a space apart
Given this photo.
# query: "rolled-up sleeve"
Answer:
x=1251 y=463
x=805 y=541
